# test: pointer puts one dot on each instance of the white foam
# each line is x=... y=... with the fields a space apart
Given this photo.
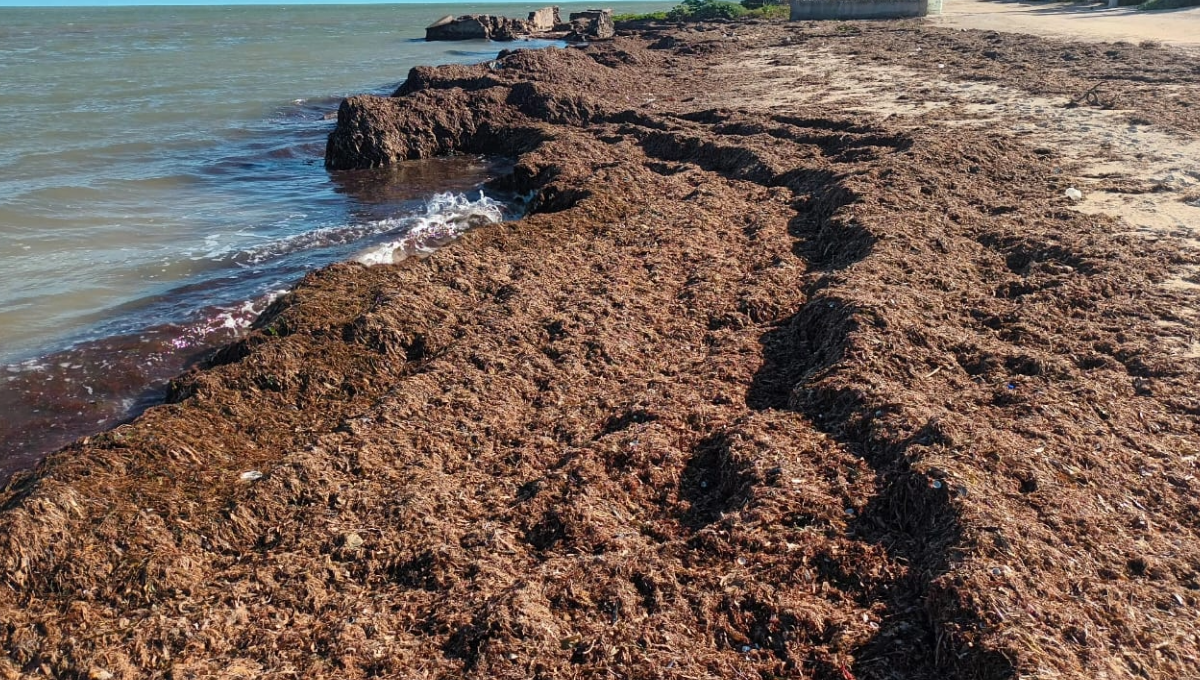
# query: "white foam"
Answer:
x=231 y=319
x=248 y=256
x=447 y=217
x=444 y=217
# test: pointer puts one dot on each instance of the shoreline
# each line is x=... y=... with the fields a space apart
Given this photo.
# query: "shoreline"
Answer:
x=126 y=235
x=98 y=382
x=62 y=378
x=763 y=384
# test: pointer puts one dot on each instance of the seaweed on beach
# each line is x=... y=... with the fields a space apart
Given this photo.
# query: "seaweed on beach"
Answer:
x=749 y=393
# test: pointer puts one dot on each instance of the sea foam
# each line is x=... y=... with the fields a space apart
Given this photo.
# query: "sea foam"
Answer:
x=447 y=216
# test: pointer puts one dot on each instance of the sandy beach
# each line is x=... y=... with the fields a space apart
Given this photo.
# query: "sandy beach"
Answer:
x=1093 y=21
x=825 y=350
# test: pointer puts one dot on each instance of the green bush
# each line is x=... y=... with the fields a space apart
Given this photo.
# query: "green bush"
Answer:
x=704 y=10
x=652 y=16
x=770 y=12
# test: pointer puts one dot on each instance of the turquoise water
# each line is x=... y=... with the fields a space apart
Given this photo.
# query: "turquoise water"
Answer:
x=161 y=170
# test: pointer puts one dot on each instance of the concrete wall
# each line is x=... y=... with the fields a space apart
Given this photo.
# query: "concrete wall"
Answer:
x=809 y=10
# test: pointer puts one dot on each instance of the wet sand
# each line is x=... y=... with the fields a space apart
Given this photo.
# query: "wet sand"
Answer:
x=802 y=364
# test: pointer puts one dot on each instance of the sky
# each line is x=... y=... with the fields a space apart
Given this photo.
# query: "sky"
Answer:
x=107 y=3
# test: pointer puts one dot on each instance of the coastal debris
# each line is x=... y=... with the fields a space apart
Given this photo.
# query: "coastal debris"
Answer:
x=1074 y=194
x=1093 y=96
x=587 y=25
x=678 y=409
x=541 y=23
x=250 y=476
x=477 y=27
x=544 y=19
x=592 y=24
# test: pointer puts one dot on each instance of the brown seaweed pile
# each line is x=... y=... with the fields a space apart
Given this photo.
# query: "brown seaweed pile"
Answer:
x=747 y=395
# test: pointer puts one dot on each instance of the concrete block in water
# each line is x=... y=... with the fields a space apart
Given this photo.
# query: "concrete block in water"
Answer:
x=477 y=27
x=544 y=19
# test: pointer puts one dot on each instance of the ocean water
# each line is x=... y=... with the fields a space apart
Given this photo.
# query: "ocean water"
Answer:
x=161 y=178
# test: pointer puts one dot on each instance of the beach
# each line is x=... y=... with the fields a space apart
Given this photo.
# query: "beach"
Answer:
x=821 y=350
x=162 y=181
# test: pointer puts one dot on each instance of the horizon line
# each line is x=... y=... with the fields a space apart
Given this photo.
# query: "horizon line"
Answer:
x=272 y=3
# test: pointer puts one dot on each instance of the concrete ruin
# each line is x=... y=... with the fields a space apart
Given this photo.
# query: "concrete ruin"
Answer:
x=816 y=10
x=477 y=27
x=544 y=19
x=592 y=24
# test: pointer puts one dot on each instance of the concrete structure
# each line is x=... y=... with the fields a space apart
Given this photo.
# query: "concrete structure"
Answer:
x=544 y=19
x=477 y=27
x=810 y=10
x=592 y=24
x=491 y=27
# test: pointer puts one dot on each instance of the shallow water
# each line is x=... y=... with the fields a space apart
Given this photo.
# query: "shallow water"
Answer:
x=161 y=175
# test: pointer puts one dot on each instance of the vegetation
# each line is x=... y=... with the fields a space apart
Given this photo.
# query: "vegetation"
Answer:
x=649 y=16
x=705 y=10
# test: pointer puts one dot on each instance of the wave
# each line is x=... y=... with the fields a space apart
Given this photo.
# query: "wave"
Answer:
x=228 y=321
x=115 y=374
x=441 y=219
x=447 y=216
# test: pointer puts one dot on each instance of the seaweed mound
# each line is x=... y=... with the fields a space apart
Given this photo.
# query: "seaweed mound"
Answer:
x=749 y=392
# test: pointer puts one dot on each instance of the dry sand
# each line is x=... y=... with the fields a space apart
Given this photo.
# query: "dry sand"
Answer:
x=1124 y=166
x=1074 y=21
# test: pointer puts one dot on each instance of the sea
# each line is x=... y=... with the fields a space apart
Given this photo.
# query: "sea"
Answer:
x=162 y=180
